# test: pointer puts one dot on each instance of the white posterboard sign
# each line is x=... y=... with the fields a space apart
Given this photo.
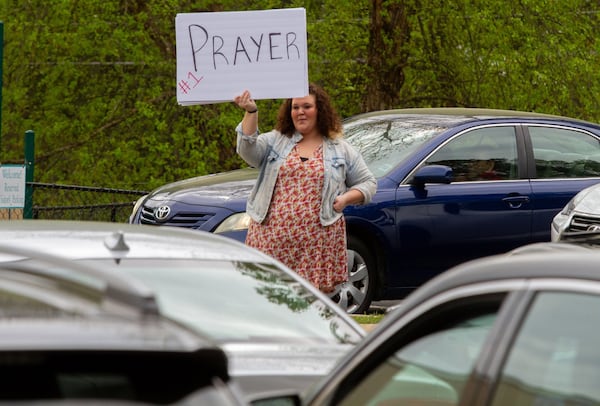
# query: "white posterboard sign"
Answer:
x=12 y=186
x=221 y=54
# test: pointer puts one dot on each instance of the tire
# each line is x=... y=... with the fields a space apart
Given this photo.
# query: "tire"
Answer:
x=355 y=295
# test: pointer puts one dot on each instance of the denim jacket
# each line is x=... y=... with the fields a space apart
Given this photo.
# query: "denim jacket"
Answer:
x=343 y=165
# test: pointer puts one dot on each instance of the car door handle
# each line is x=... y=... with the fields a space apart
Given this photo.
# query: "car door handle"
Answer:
x=515 y=202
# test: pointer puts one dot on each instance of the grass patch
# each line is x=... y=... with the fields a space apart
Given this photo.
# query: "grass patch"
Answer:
x=367 y=318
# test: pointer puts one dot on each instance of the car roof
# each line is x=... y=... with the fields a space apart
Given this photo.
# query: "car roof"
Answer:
x=474 y=113
x=96 y=239
x=556 y=261
x=454 y=116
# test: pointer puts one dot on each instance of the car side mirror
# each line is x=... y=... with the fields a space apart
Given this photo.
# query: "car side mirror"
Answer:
x=432 y=174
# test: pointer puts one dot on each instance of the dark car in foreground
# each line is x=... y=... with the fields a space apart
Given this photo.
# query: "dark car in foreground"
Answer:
x=277 y=330
x=453 y=185
x=66 y=340
x=513 y=329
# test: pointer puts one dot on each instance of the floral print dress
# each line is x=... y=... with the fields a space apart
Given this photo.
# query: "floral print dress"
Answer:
x=292 y=231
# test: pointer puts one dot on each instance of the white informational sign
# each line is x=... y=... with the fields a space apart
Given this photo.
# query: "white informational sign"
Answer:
x=221 y=54
x=12 y=186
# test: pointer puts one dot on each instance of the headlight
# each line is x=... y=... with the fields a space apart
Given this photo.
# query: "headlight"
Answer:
x=236 y=222
x=569 y=207
x=560 y=222
x=136 y=207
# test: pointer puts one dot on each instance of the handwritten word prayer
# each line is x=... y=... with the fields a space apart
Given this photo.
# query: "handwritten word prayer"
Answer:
x=243 y=49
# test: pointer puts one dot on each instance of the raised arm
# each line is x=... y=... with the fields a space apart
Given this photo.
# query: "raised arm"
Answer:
x=250 y=120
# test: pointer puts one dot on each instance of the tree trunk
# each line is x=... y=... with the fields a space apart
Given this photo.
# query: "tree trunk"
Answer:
x=388 y=53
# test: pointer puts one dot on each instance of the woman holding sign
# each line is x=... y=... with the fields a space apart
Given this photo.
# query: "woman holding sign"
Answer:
x=308 y=175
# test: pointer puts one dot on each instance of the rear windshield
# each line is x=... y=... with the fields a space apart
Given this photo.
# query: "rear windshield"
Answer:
x=238 y=301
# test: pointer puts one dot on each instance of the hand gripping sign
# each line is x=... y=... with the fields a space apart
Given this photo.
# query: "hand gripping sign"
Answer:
x=221 y=54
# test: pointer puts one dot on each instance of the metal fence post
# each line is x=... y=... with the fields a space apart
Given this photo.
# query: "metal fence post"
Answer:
x=29 y=166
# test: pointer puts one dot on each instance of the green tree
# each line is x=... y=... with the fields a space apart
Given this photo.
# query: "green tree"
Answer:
x=96 y=79
x=96 y=83
x=389 y=35
x=338 y=37
x=534 y=55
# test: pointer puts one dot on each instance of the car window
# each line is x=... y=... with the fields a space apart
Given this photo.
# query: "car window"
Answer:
x=433 y=367
x=385 y=142
x=555 y=358
x=564 y=153
x=484 y=154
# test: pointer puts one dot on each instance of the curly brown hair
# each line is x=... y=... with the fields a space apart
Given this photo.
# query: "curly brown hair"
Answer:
x=329 y=122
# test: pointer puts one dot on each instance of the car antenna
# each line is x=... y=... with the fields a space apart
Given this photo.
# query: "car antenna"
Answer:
x=116 y=242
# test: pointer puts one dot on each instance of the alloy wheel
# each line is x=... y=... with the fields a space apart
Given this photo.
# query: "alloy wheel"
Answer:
x=351 y=295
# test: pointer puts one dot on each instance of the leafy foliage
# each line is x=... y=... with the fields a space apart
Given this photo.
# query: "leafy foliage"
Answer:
x=534 y=55
x=95 y=80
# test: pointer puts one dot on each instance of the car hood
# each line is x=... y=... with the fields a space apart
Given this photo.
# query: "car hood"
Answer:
x=590 y=203
x=264 y=368
x=216 y=187
x=95 y=240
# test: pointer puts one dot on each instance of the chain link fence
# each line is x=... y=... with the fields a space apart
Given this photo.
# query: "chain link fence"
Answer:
x=68 y=202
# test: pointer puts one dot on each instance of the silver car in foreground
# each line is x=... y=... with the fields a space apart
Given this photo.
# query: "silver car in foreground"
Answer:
x=65 y=341
x=278 y=331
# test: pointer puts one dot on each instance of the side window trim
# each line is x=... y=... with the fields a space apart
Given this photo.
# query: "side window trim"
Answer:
x=524 y=155
x=497 y=346
x=530 y=164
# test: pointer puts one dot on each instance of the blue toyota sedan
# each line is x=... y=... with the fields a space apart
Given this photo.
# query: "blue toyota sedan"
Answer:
x=454 y=184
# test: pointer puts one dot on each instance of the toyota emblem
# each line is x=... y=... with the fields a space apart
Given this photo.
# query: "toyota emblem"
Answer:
x=161 y=213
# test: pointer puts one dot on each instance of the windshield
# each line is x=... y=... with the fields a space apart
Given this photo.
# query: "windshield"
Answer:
x=238 y=301
x=385 y=141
